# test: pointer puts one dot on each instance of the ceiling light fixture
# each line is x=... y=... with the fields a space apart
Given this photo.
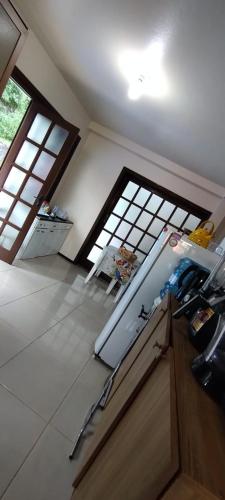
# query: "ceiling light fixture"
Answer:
x=144 y=72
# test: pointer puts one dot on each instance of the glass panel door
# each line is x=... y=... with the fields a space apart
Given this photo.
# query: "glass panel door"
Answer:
x=28 y=172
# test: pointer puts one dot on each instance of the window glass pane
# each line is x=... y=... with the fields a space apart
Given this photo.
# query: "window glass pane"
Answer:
x=154 y=203
x=19 y=214
x=156 y=227
x=39 y=128
x=166 y=210
x=132 y=213
x=115 y=242
x=43 y=165
x=26 y=155
x=142 y=197
x=146 y=243
x=103 y=239
x=130 y=190
x=8 y=237
x=134 y=236
x=144 y=220
x=31 y=190
x=111 y=223
x=178 y=217
x=56 y=139
x=128 y=247
x=123 y=229
x=94 y=254
x=140 y=256
x=14 y=180
x=192 y=222
x=5 y=204
x=120 y=207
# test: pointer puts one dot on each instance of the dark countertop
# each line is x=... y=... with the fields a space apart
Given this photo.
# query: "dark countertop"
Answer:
x=53 y=219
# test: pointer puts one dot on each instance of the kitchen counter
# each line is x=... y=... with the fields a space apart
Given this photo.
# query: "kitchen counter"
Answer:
x=53 y=219
x=160 y=435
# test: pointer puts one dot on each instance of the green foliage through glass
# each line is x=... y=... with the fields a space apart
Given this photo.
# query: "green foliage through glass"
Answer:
x=13 y=106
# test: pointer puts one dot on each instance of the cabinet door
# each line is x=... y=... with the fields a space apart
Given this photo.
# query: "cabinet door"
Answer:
x=184 y=488
x=12 y=37
x=156 y=330
x=140 y=456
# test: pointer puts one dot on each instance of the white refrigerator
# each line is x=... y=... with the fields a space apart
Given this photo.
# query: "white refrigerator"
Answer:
x=124 y=322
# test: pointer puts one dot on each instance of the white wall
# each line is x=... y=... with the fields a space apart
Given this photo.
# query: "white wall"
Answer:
x=39 y=68
x=84 y=190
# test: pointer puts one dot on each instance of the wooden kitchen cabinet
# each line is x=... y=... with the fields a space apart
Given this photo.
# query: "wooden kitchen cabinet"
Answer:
x=12 y=37
x=160 y=435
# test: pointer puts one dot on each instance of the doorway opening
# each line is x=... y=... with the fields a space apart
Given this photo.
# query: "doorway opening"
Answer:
x=37 y=146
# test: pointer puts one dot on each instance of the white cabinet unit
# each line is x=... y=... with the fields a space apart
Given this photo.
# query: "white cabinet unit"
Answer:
x=45 y=237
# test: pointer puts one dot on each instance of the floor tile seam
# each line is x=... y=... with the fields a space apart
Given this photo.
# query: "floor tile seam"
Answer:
x=44 y=419
x=12 y=393
x=26 y=295
x=28 y=345
x=23 y=462
x=66 y=395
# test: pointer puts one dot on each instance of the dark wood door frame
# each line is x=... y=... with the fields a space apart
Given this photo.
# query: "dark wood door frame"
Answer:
x=22 y=28
x=38 y=98
x=125 y=176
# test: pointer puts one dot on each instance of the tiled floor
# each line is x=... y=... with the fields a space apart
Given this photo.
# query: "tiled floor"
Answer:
x=49 y=320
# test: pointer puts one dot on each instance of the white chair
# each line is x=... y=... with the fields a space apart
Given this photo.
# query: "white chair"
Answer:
x=106 y=264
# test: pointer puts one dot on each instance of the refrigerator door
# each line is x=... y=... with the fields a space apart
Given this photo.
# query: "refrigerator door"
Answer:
x=131 y=290
x=125 y=329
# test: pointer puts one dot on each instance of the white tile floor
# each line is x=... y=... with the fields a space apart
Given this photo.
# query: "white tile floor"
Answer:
x=49 y=320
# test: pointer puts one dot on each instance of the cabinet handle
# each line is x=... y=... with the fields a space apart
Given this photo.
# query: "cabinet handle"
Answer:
x=162 y=347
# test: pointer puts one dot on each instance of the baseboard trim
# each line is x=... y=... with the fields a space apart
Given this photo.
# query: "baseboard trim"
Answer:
x=66 y=258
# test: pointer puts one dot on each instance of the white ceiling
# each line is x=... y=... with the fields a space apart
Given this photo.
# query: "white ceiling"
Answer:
x=86 y=37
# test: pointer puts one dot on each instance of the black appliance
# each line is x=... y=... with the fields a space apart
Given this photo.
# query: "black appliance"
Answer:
x=209 y=367
x=190 y=281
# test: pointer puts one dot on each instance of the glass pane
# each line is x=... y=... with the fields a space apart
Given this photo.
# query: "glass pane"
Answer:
x=144 y=220
x=129 y=247
x=103 y=239
x=123 y=229
x=115 y=242
x=31 y=189
x=146 y=243
x=156 y=227
x=192 y=222
x=94 y=254
x=56 y=139
x=39 y=128
x=130 y=190
x=140 y=256
x=13 y=106
x=132 y=213
x=19 y=214
x=120 y=207
x=134 y=236
x=166 y=210
x=178 y=217
x=142 y=197
x=111 y=223
x=14 y=180
x=26 y=155
x=154 y=203
x=43 y=165
x=8 y=236
x=5 y=204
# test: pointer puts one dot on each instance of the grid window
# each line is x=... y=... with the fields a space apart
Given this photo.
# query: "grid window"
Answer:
x=137 y=220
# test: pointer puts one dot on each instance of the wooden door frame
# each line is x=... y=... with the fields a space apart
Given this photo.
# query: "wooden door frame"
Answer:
x=119 y=186
x=20 y=25
x=38 y=98
x=38 y=104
